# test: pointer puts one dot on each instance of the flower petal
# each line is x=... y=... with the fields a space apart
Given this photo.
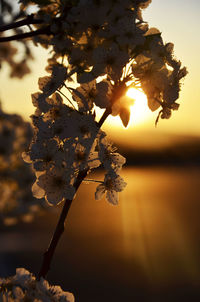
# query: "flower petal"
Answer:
x=125 y=116
x=100 y=190
x=37 y=191
x=112 y=197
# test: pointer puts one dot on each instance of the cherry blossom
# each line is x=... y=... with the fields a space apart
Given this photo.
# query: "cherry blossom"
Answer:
x=56 y=185
x=24 y=286
x=97 y=51
x=112 y=184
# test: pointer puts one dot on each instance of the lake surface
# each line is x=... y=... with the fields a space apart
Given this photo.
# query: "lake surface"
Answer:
x=145 y=249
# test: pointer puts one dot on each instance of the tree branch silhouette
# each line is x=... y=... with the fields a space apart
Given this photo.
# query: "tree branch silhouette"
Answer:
x=42 y=31
x=27 y=21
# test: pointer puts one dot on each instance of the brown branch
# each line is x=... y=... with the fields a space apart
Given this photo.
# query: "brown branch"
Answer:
x=41 y=31
x=48 y=255
x=107 y=112
x=28 y=21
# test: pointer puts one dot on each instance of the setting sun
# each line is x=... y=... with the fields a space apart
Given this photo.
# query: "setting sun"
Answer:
x=139 y=111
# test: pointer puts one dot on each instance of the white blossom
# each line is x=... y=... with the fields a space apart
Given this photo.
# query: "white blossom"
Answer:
x=111 y=160
x=24 y=287
x=84 y=95
x=50 y=84
x=111 y=186
x=106 y=47
x=109 y=60
x=56 y=184
x=103 y=94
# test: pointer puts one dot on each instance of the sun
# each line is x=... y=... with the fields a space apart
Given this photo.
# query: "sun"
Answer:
x=140 y=110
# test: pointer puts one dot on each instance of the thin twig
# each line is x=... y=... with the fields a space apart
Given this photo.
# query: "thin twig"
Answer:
x=28 y=21
x=93 y=180
x=67 y=99
x=80 y=95
x=41 y=31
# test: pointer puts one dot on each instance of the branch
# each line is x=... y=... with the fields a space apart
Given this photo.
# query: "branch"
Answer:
x=48 y=255
x=28 y=21
x=41 y=31
x=107 y=112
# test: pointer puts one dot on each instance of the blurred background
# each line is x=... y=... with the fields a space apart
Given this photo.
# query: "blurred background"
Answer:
x=147 y=248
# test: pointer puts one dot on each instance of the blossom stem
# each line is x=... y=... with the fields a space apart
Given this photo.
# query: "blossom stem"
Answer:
x=67 y=98
x=93 y=180
x=48 y=255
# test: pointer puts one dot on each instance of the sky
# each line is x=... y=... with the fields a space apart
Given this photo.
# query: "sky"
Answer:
x=179 y=23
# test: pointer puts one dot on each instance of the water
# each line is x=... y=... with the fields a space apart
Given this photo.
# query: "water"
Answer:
x=145 y=249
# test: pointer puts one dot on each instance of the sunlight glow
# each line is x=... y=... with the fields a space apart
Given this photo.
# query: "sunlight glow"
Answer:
x=139 y=111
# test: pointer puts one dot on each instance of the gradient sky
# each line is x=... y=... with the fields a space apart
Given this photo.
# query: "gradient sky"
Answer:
x=179 y=23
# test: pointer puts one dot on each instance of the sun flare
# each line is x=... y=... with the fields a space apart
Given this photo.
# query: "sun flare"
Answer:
x=139 y=111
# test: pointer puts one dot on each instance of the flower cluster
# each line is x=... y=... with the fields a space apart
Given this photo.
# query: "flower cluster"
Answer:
x=100 y=38
x=159 y=74
x=16 y=177
x=112 y=163
x=98 y=50
x=67 y=143
x=24 y=287
x=106 y=47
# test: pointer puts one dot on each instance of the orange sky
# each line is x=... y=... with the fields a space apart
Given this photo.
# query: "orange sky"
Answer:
x=179 y=23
